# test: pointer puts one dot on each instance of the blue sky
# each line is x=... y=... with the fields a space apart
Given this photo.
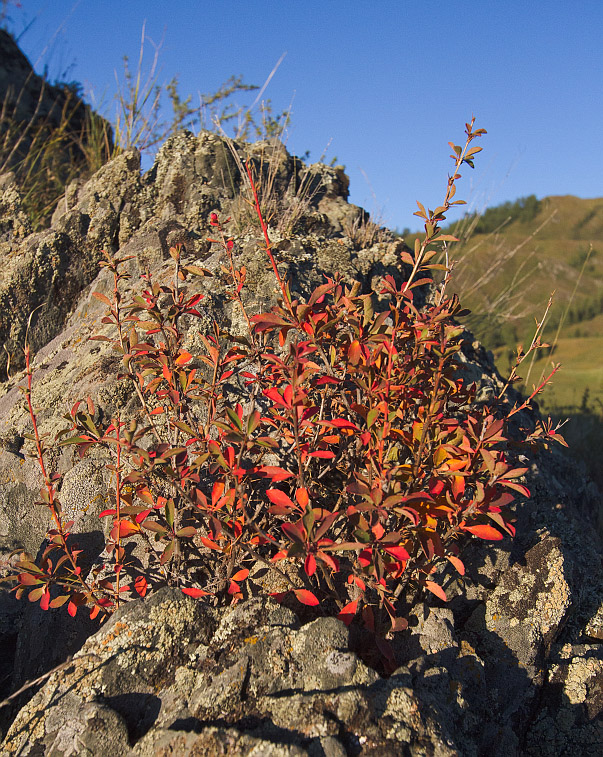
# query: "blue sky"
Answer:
x=382 y=85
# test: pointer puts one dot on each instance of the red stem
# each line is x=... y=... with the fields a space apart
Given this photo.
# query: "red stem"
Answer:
x=258 y=210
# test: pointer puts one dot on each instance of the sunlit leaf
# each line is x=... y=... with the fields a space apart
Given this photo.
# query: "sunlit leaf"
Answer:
x=306 y=597
x=484 y=532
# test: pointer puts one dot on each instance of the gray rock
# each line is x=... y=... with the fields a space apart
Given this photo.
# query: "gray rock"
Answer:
x=255 y=684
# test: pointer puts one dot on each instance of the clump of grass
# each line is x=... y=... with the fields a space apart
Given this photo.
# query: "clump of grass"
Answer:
x=51 y=148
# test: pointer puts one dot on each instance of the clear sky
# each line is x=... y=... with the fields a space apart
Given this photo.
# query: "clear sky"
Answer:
x=384 y=85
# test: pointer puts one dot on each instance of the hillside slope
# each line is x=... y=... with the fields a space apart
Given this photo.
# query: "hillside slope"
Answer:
x=510 y=261
x=506 y=275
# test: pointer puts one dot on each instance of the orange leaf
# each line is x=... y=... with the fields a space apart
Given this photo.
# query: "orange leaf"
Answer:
x=484 y=532
x=216 y=492
x=306 y=597
x=436 y=589
x=458 y=564
x=127 y=528
x=241 y=575
x=183 y=358
x=354 y=352
x=347 y=613
x=301 y=495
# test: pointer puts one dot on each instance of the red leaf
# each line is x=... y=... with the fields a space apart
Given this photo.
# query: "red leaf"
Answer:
x=306 y=597
x=484 y=532
x=436 y=589
x=343 y=423
x=517 y=487
x=326 y=380
x=347 y=613
x=195 y=593
x=140 y=584
x=26 y=579
x=288 y=395
x=241 y=575
x=278 y=596
x=274 y=473
x=323 y=454
x=310 y=565
x=330 y=561
x=72 y=610
x=294 y=532
x=45 y=601
x=398 y=552
x=273 y=394
x=278 y=497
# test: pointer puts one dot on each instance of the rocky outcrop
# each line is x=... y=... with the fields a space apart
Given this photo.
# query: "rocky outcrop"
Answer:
x=190 y=178
x=512 y=665
x=169 y=675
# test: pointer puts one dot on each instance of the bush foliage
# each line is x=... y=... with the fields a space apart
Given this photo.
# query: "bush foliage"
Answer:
x=352 y=462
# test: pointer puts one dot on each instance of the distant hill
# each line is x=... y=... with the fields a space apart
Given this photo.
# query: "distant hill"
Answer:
x=511 y=258
x=510 y=261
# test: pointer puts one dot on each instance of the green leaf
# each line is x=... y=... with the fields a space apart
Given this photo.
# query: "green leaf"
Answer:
x=197 y=270
x=74 y=440
x=234 y=418
x=170 y=512
x=372 y=416
x=152 y=525
x=187 y=531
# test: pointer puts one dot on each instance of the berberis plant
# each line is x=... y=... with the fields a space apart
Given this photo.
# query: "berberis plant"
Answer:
x=334 y=456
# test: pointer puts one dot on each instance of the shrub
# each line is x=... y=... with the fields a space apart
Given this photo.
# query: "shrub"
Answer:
x=337 y=444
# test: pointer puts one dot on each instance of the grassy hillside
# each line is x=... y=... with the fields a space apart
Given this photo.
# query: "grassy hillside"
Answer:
x=511 y=259
x=506 y=275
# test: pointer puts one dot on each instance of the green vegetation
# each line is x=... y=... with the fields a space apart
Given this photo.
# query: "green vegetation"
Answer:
x=523 y=210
